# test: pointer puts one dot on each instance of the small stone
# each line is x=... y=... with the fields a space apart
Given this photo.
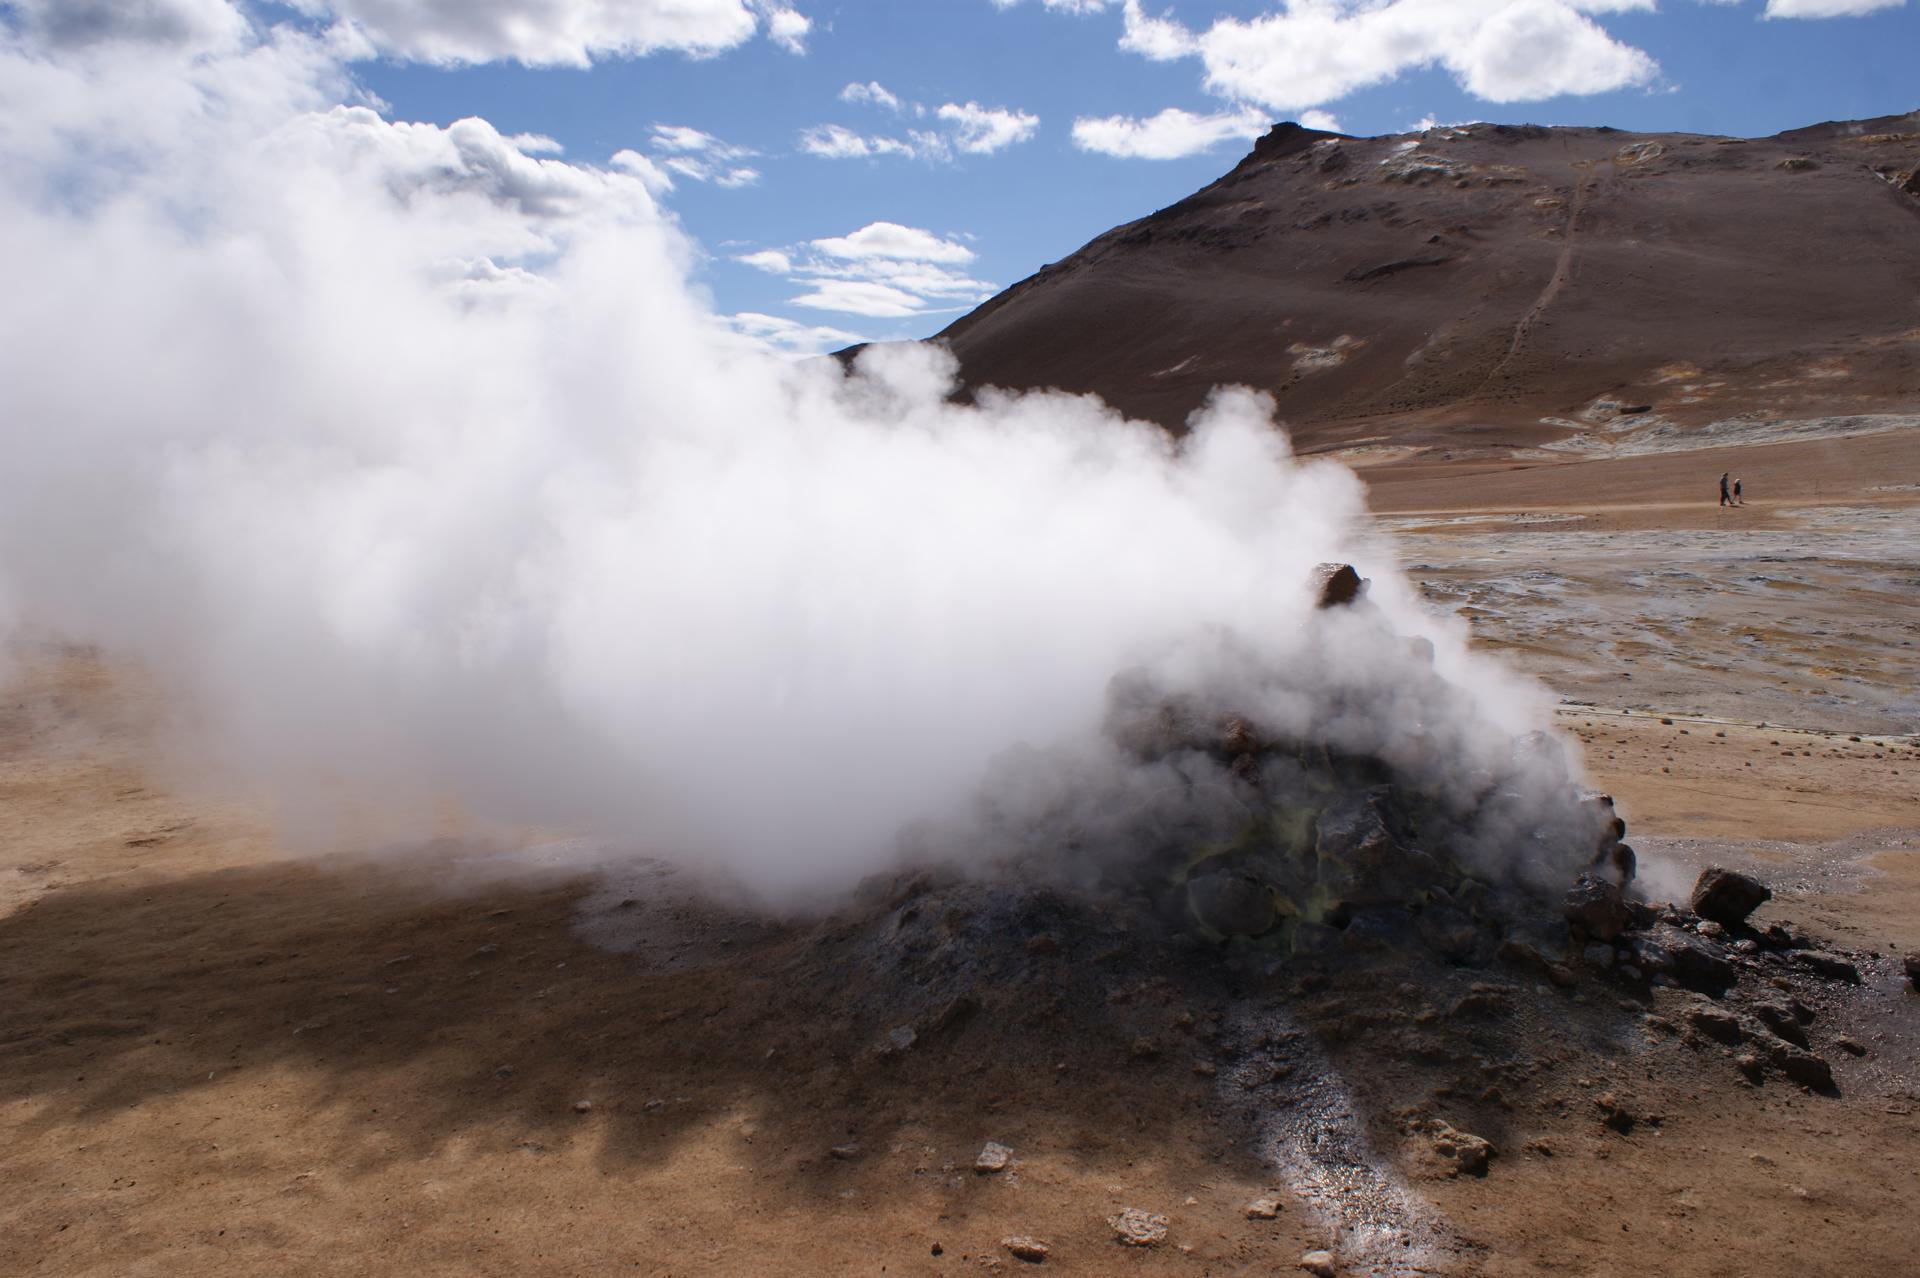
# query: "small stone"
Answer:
x=850 y=1150
x=488 y=948
x=1727 y=897
x=1319 y=1264
x=1031 y=1250
x=1751 y=1065
x=994 y=1157
x=1831 y=966
x=1205 y=1069
x=898 y=1040
x=1462 y=1152
x=1144 y=1049
x=1263 y=1208
x=1135 y=1227
x=1912 y=966
x=1721 y=1026
x=1851 y=1047
x=1042 y=944
x=1780 y=1019
x=1803 y=1068
x=1614 y=1114
x=1711 y=930
x=583 y=1107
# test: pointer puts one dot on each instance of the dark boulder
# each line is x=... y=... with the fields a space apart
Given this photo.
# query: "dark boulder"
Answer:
x=1596 y=907
x=1726 y=897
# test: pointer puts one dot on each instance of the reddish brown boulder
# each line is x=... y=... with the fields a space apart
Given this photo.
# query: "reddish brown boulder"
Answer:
x=1726 y=897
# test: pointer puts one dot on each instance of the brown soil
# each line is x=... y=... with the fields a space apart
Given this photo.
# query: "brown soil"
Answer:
x=218 y=1058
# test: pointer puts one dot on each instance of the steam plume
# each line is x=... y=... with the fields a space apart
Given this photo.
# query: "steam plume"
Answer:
x=409 y=458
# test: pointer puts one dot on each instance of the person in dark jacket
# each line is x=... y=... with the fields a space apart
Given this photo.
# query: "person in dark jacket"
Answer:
x=1726 y=498
x=1738 y=500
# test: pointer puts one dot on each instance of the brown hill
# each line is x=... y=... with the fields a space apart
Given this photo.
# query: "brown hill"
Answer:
x=1497 y=275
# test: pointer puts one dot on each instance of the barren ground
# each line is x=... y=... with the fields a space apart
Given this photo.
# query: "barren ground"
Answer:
x=217 y=1058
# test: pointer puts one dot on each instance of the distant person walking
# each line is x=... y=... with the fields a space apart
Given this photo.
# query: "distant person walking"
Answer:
x=1726 y=498
x=1738 y=500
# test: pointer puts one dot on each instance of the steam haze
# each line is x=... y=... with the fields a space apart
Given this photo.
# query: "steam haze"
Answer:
x=412 y=463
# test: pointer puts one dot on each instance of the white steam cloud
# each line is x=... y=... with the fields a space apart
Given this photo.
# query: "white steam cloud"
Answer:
x=409 y=461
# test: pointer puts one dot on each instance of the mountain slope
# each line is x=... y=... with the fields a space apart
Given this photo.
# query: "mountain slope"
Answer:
x=1496 y=275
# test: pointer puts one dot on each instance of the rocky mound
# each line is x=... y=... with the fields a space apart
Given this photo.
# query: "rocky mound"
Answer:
x=1497 y=273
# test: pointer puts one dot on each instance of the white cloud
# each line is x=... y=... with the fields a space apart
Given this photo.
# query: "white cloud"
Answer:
x=1171 y=134
x=860 y=297
x=970 y=128
x=556 y=32
x=702 y=157
x=1312 y=52
x=187 y=24
x=890 y=239
x=1062 y=6
x=790 y=338
x=837 y=143
x=1827 y=8
x=1326 y=121
x=874 y=92
x=982 y=130
x=788 y=29
x=883 y=269
x=772 y=261
x=1158 y=39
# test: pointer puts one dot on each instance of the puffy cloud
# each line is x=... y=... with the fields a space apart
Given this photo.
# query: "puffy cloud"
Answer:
x=788 y=29
x=556 y=32
x=980 y=130
x=1311 y=52
x=890 y=239
x=1171 y=134
x=1827 y=8
x=1159 y=39
x=190 y=24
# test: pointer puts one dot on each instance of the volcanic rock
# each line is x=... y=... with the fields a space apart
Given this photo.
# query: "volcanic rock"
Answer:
x=1596 y=907
x=1727 y=897
x=1614 y=1113
x=1335 y=585
x=1691 y=961
x=1031 y=1250
x=1263 y=1209
x=1831 y=966
x=1135 y=1227
x=1912 y=966
x=1778 y=1018
x=1232 y=903
x=1721 y=1026
x=1802 y=1067
x=1463 y=1152
x=1319 y=1264
x=993 y=1157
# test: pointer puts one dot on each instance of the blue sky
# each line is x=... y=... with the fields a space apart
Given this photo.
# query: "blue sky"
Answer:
x=758 y=78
